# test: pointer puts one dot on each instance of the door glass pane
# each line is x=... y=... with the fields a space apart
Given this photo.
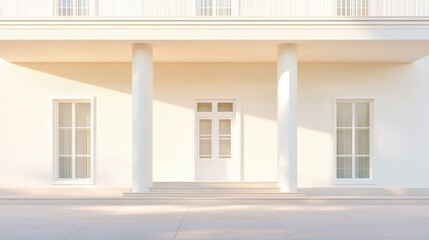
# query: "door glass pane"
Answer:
x=83 y=141
x=344 y=141
x=83 y=114
x=225 y=147
x=205 y=127
x=225 y=127
x=344 y=167
x=64 y=114
x=205 y=147
x=204 y=107
x=225 y=107
x=64 y=167
x=344 y=114
x=362 y=114
x=83 y=167
x=362 y=167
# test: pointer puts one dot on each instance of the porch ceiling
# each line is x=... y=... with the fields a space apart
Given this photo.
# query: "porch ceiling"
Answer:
x=213 y=51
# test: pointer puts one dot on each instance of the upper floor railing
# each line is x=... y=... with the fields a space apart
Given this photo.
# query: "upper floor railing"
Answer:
x=213 y=8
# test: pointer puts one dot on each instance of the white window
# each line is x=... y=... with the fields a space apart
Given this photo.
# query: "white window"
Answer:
x=72 y=7
x=352 y=7
x=353 y=139
x=73 y=140
x=215 y=120
x=216 y=7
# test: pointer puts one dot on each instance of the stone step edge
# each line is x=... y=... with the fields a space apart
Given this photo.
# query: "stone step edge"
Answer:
x=214 y=190
x=212 y=186
x=220 y=187
x=231 y=184
x=209 y=198
x=212 y=193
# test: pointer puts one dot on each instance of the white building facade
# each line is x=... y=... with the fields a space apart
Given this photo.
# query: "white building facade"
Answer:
x=312 y=95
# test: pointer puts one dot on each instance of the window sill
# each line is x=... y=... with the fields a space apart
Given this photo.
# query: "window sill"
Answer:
x=73 y=182
x=354 y=182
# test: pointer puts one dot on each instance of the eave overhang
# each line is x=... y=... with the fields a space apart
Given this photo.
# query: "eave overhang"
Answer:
x=398 y=39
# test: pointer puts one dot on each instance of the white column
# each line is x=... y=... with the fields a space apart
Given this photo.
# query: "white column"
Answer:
x=142 y=85
x=286 y=117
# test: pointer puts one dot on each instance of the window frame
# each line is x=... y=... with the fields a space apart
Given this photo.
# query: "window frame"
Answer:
x=344 y=9
x=74 y=10
x=355 y=181
x=54 y=144
x=214 y=9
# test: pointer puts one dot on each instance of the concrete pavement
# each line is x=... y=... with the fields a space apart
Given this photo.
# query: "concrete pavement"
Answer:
x=198 y=221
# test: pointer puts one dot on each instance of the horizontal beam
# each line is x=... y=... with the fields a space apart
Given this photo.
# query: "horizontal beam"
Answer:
x=280 y=29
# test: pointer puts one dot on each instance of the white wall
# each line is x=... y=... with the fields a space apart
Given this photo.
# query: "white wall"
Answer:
x=26 y=91
x=178 y=85
x=402 y=157
x=401 y=93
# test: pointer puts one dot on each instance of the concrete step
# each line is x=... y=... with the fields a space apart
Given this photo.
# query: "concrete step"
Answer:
x=214 y=187
x=335 y=201
x=212 y=190
x=214 y=195
x=201 y=184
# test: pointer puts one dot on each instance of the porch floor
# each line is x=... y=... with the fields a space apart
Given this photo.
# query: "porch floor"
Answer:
x=214 y=221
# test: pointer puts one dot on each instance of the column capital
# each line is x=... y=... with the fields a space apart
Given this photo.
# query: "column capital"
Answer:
x=287 y=46
x=142 y=46
x=286 y=50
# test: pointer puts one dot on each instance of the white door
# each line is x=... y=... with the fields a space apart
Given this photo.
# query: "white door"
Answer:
x=214 y=143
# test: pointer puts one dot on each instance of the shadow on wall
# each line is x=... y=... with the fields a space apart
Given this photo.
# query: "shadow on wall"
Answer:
x=250 y=82
x=176 y=86
x=113 y=76
x=255 y=84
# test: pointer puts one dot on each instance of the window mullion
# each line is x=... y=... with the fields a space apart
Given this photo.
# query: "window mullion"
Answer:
x=214 y=108
x=215 y=145
x=57 y=139
x=353 y=138
x=370 y=129
x=73 y=140
x=215 y=140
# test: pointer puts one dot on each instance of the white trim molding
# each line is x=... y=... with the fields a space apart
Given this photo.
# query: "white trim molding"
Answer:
x=268 y=29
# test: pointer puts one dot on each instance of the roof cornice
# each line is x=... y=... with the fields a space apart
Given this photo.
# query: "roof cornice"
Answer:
x=320 y=28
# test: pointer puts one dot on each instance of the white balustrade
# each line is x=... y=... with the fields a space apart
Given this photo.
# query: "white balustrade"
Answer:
x=213 y=8
x=26 y=8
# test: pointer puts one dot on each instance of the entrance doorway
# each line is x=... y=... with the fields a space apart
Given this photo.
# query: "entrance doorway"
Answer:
x=215 y=120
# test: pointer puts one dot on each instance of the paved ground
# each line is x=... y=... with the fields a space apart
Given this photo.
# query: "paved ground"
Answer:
x=262 y=222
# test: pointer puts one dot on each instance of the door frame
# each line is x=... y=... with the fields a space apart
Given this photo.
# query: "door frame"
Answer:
x=236 y=136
